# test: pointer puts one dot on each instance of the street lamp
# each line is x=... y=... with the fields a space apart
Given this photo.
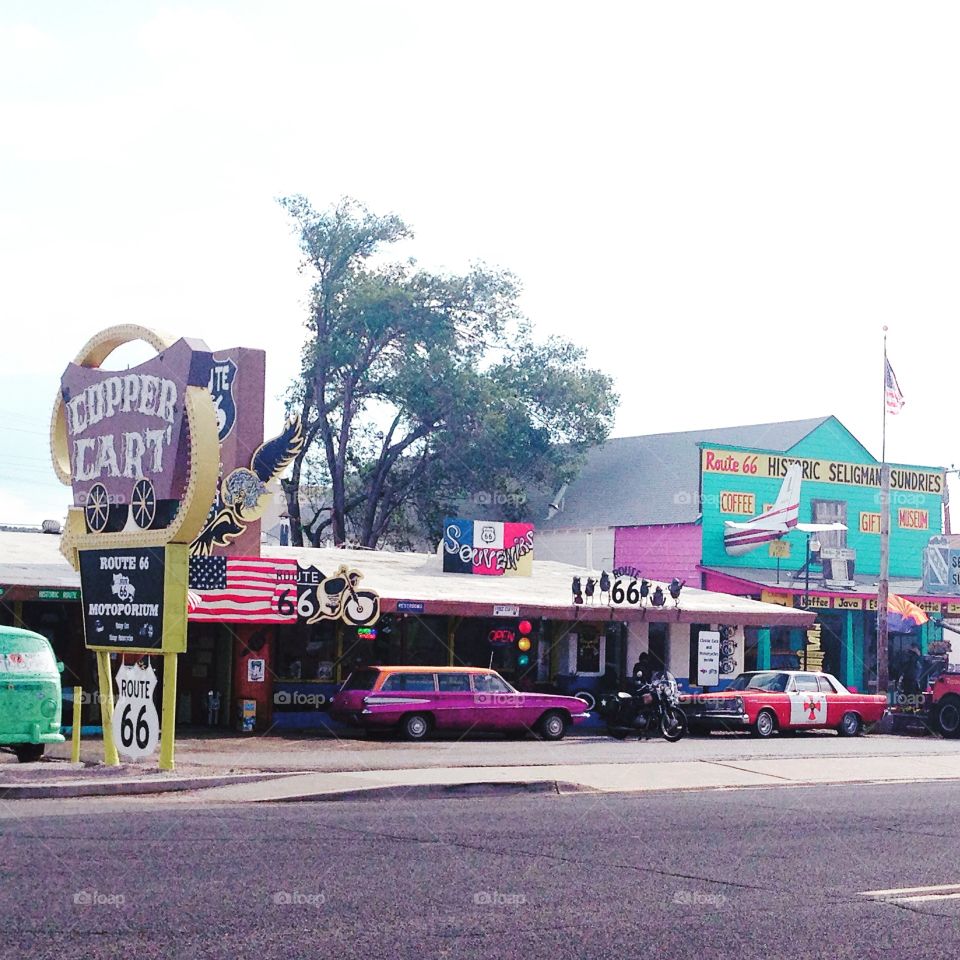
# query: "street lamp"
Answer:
x=813 y=546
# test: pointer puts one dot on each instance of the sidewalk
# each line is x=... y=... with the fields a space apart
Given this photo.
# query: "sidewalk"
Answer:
x=380 y=769
x=590 y=778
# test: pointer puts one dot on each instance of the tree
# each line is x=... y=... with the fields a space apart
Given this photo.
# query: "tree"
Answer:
x=418 y=388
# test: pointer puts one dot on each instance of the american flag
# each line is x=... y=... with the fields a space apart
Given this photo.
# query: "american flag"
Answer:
x=242 y=589
x=891 y=389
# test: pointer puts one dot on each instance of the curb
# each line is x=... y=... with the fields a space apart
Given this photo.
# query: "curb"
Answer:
x=440 y=791
x=452 y=791
x=124 y=788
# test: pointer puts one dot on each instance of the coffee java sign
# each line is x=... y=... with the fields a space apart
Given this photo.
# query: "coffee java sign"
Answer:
x=139 y=447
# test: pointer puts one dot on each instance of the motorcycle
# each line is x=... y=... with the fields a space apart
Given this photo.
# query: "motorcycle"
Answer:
x=653 y=707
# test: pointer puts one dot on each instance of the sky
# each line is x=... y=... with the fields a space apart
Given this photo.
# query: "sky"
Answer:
x=724 y=203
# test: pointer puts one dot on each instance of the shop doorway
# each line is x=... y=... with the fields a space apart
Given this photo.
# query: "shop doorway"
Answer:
x=205 y=667
x=658 y=645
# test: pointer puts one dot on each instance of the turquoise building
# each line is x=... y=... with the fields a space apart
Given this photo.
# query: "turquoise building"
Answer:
x=835 y=571
x=661 y=505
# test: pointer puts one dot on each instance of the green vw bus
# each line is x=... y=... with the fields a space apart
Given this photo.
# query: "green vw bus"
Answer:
x=29 y=693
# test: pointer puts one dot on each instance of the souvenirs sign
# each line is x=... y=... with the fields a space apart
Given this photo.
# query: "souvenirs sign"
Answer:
x=487 y=547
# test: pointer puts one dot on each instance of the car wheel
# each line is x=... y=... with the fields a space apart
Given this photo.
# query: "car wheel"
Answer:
x=415 y=726
x=552 y=726
x=28 y=752
x=948 y=717
x=765 y=725
x=850 y=725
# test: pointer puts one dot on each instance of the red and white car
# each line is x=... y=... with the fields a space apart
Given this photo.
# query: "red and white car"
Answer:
x=765 y=701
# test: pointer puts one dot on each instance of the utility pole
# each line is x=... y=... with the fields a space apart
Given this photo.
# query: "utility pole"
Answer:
x=883 y=588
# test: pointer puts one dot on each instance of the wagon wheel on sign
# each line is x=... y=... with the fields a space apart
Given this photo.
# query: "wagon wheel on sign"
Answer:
x=143 y=504
x=97 y=508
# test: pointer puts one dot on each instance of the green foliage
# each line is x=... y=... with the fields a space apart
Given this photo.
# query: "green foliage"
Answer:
x=417 y=389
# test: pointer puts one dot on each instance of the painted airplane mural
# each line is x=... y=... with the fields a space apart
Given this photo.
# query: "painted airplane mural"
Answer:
x=772 y=524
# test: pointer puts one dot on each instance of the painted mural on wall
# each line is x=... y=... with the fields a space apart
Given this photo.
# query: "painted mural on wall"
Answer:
x=242 y=495
x=487 y=547
x=277 y=590
x=247 y=464
x=759 y=508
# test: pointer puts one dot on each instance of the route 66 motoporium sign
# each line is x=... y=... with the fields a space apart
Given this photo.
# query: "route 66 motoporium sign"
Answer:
x=135 y=598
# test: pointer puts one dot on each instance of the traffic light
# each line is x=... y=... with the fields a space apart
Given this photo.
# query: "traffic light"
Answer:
x=524 y=629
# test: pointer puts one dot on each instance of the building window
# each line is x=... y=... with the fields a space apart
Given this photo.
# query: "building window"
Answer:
x=587 y=653
x=306 y=652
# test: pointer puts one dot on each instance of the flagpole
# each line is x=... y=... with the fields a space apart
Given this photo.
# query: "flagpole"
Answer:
x=883 y=589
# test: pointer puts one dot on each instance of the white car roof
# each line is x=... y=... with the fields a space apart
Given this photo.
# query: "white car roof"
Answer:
x=804 y=673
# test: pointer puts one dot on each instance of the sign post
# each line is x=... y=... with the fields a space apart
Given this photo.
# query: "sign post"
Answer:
x=140 y=450
x=110 y=757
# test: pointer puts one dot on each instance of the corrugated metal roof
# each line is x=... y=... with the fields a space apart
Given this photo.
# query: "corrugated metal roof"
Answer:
x=35 y=560
x=632 y=481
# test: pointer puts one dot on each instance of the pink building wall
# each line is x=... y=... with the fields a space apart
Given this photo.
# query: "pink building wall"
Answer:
x=661 y=551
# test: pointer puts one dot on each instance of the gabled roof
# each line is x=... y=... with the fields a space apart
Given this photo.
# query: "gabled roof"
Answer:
x=633 y=481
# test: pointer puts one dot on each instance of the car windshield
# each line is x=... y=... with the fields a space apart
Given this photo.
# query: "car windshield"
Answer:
x=361 y=680
x=28 y=661
x=775 y=682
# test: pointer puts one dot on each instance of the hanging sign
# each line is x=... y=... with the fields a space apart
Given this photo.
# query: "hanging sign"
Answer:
x=136 y=725
x=708 y=658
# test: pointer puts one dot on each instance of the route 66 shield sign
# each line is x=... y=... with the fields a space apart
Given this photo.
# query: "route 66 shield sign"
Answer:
x=136 y=725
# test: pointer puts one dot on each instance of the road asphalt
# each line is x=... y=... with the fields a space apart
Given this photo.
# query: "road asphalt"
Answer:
x=840 y=873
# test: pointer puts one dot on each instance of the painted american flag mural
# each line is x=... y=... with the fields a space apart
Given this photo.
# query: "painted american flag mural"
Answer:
x=242 y=589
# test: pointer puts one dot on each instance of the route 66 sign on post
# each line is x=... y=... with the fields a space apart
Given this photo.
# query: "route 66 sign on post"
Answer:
x=136 y=726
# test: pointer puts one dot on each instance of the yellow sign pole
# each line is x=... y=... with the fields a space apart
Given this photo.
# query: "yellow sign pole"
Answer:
x=110 y=756
x=75 y=739
x=169 y=711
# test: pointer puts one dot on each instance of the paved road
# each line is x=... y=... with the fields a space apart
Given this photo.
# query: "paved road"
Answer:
x=220 y=754
x=741 y=874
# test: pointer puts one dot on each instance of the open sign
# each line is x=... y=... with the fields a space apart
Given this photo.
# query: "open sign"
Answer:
x=501 y=636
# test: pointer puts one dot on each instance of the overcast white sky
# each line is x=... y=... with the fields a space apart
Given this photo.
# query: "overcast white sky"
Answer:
x=724 y=201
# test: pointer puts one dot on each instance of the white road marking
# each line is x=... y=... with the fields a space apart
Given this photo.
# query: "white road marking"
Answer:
x=943 y=891
x=929 y=896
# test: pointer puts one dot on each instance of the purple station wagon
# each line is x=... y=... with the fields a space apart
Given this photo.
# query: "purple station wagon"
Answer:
x=416 y=700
